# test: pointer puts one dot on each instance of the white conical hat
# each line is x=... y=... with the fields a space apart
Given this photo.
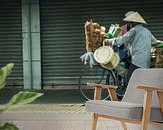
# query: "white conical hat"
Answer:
x=135 y=17
x=129 y=13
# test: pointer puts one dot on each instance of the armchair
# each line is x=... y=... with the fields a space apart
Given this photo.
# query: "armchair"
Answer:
x=142 y=103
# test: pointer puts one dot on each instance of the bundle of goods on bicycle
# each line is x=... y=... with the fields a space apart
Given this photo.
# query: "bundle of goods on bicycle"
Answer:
x=95 y=34
x=107 y=57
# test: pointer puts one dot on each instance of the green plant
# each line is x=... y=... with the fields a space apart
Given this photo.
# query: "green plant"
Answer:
x=21 y=98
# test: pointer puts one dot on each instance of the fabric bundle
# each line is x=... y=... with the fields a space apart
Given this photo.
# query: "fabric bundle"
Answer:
x=88 y=58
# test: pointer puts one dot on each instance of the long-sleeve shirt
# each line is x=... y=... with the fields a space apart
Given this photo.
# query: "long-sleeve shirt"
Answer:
x=140 y=40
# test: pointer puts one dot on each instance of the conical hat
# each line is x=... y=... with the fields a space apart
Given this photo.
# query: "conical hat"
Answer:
x=129 y=13
x=135 y=17
x=113 y=63
x=104 y=54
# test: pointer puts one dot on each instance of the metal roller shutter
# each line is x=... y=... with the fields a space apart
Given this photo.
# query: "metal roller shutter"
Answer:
x=11 y=40
x=62 y=31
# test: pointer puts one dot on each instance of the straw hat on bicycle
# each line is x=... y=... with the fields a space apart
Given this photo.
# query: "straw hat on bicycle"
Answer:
x=104 y=54
x=106 y=57
x=113 y=63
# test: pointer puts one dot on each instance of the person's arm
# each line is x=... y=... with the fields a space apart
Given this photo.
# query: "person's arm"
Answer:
x=125 y=39
x=156 y=43
x=153 y=40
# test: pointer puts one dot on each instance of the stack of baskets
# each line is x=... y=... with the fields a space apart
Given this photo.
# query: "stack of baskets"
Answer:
x=94 y=33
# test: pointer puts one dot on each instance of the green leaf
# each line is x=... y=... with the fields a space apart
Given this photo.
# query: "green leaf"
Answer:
x=24 y=97
x=8 y=126
x=4 y=72
x=4 y=107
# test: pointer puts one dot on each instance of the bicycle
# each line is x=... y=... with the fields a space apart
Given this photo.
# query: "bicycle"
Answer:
x=98 y=74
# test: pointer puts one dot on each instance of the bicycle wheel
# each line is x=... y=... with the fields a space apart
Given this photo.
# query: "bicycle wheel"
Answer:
x=96 y=74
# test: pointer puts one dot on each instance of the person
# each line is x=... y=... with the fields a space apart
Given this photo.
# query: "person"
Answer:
x=123 y=51
x=139 y=41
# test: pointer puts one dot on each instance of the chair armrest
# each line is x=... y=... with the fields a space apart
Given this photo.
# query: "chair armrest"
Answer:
x=101 y=86
x=150 y=88
x=148 y=99
x=98 y=91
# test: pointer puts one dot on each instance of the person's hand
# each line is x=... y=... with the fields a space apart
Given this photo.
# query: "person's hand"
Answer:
x=106 y=42
x=159 y=41
x=159 y=44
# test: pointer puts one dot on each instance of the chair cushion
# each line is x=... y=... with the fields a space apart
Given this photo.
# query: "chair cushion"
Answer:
x=121 y=109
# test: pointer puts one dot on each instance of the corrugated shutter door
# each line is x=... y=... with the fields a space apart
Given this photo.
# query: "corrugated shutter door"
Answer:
x=11 y=40
x=62 y=31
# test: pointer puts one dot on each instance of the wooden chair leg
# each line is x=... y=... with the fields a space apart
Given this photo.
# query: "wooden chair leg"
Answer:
x=160 y=98
x=146 y=110
x=124 y=125
x=94 y=122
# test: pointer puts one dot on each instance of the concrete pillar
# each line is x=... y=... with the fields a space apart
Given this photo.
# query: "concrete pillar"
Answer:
x=31 y=44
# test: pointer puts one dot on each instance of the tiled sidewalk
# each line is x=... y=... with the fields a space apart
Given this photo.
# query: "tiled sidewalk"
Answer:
x=56 y=121
x=56 y=110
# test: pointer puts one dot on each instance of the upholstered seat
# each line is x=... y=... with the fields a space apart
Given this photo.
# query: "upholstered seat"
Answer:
x=131 y=111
